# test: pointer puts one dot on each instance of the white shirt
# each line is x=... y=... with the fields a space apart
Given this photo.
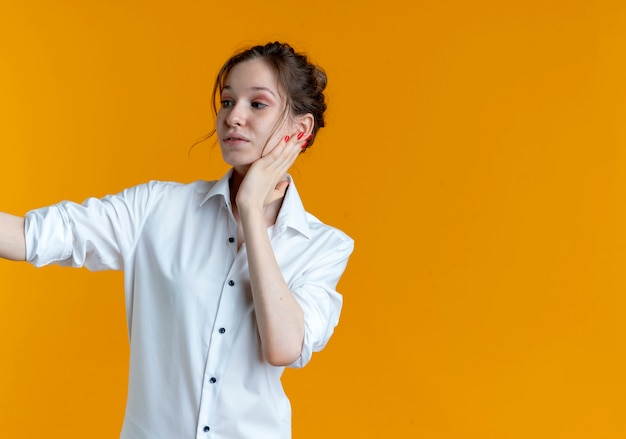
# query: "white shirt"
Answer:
x=196 y=365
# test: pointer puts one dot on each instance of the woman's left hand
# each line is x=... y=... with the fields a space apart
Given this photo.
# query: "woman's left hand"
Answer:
x=266 y=180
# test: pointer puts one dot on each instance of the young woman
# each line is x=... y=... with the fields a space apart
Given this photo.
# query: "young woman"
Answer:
x=227 y=282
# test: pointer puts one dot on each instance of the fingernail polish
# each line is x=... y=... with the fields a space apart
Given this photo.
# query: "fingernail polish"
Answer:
x=305 y=144
x=300 y=135
x=309 y=137
x=286 y=139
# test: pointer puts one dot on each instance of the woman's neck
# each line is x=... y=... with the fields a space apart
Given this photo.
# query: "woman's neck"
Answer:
x=270 y=211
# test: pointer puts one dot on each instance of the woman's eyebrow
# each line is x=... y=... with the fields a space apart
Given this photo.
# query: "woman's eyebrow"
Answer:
x=255 y=88
x=263 y=89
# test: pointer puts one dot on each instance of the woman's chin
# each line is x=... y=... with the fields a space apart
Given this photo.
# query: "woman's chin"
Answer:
x=239 y=166
x=238 y=160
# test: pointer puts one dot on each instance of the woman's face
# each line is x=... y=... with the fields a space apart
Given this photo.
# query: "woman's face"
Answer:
x=251 y=114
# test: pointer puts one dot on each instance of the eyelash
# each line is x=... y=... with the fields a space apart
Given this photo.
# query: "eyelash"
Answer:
x=227 y=103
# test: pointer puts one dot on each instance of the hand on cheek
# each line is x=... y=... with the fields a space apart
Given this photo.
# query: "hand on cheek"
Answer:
x=266 y=180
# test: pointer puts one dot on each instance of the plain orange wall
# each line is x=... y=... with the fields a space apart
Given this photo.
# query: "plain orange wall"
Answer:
x=475 y=150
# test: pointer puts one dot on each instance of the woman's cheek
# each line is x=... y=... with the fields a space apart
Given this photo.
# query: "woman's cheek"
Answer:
x=272 y=143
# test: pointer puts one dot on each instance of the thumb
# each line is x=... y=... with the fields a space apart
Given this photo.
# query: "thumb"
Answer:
x=279 y=191
x=281 y=187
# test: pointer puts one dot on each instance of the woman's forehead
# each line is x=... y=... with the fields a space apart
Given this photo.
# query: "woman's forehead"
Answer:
x=253 y=75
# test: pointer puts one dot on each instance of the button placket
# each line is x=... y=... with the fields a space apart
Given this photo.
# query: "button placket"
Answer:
x=225 y=320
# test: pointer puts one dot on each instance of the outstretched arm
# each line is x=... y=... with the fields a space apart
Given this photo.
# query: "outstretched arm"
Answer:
x=12 y=242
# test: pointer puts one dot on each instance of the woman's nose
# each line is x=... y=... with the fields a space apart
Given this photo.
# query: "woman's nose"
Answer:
x=235 y=116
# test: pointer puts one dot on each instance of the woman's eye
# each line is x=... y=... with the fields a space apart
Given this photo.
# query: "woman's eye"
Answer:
x=226 y=103
x=258 y=105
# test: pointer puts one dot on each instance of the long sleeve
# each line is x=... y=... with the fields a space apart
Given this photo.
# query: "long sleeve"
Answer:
x=95 y=234
x=315 y=291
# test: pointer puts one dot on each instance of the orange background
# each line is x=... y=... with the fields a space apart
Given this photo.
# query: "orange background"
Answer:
x=475 y=150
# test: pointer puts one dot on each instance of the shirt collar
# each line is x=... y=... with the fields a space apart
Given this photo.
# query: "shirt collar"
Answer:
x=292 y=214
x=220 y=188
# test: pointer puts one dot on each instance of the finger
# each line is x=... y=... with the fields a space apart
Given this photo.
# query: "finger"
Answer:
x=285 y=153
x=305 y=142
x=281 y=143
x=296 y=144
x=285 y=158
x=297 y=138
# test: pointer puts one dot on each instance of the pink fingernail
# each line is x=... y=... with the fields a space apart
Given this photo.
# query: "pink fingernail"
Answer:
x=300 y=135
x=286 y=139
x=309 y=137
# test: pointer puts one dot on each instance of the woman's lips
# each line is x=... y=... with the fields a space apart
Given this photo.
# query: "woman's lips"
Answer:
x=235 y=140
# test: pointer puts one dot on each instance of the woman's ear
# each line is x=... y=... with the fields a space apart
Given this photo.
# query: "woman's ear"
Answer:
x=304 y=123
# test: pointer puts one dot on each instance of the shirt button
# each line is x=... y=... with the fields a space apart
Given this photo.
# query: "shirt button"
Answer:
x=231 y=239
x=206 y=428
x=231 y=282
x=222 y=330
x=213 y=380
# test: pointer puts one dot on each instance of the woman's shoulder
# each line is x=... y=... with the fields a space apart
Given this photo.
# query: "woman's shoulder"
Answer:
x=322 y=229
x=155 y=193
x=175 y=187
